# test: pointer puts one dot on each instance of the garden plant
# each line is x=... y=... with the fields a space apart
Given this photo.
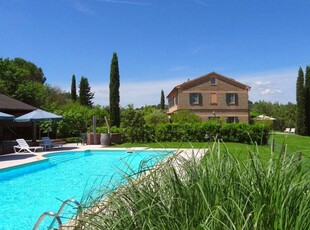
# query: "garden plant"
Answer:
x=218 y=192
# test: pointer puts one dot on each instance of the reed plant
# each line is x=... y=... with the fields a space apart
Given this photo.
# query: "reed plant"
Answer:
x=217 y=192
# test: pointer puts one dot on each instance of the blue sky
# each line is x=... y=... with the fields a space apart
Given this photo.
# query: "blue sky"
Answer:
x=161 y=43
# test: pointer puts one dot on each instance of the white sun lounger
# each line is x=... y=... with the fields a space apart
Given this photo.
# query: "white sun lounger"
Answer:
x=292 y=130
x=23 y=146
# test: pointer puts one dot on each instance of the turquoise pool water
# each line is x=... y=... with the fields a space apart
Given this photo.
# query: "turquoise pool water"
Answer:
x=26 y=192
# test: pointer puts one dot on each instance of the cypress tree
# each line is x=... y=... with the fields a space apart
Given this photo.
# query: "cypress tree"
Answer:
x=307 y=99
x=301 y=100
x=73 y=88
x=114 y=93
x=162 y=100
x=85 y=94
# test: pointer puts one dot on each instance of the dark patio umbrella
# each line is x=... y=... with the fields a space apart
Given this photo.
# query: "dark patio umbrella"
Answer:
x=38 y=115
x=5 y=116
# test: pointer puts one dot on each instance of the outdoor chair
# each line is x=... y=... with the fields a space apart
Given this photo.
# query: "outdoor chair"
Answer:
x=84 y=139
x=292 y=130
x=23 y=146
x=48 y=144
x=287 y=130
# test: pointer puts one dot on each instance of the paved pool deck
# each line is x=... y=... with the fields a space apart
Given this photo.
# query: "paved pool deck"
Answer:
x=15 y=159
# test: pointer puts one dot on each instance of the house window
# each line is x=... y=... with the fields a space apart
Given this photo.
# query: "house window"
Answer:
x=173 y=101
x=232 y=120
x=195 y=98
x=213 y=99
x=213 y=81
x=231 y=98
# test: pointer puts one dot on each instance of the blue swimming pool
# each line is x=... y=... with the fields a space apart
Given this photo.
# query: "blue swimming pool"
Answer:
x=26 y=192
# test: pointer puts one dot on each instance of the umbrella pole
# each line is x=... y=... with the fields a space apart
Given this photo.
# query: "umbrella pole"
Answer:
x=34 y=137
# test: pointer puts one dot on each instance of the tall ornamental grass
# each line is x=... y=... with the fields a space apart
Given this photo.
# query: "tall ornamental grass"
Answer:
x=218 y=192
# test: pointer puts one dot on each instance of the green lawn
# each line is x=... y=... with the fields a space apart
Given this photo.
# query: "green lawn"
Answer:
x=293 y=143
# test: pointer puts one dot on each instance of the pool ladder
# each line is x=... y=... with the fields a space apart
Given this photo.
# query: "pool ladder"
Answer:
x=55 y=215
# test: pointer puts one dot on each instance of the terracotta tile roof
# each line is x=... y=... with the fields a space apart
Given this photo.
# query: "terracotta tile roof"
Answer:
x=8 y=103
x=230 y=80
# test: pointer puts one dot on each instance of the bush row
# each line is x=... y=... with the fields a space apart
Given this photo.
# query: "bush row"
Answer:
x=198 y=132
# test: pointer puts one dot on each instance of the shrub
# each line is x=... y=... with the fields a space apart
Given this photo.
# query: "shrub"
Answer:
x=156 y=117
x=132 y=124
x=185 y=116
x=196 y=132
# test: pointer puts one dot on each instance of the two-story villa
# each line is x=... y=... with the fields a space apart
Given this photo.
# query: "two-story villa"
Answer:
x=212 y=96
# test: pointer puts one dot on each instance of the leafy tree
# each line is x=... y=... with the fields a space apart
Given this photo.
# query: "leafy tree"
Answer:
x=157 y=117
x=290 y=116
x=32 y=72
x=132 y=118
x=78 y=118
x=85 y=94
x=25 y=81
x=114 y=92
x=14 y=73
x=162 y=100
x=262 y=107
x=307 y=99
x=75 y=121
x=56 y=98
x=185 y=116
x=301 y=100
x=73 y=88
x=148 y=109
x=32 y=93
x=133 y=122
x=285 y=115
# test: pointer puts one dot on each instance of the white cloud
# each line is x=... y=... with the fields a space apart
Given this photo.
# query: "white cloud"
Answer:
x=271 y=91
x=137 y=93
x=266 y=91
x=83 y=8
x=261 y=84
x=278 y=91
x=274 y=86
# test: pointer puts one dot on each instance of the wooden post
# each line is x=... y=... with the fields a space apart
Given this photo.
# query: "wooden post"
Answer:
x=94 y=129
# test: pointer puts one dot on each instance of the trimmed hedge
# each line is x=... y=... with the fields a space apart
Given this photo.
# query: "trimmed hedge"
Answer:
x=198 y=132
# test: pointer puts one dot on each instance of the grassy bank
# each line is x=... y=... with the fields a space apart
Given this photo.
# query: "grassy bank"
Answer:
x=219 y=192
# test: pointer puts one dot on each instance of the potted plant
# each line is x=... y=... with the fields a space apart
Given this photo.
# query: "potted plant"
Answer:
x=116 y=135
x=105 y=139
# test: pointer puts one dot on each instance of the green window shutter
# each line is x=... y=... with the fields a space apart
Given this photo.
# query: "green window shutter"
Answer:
x=191 y=96
x=236 y=98
x=200 y=99
x=227 y=98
